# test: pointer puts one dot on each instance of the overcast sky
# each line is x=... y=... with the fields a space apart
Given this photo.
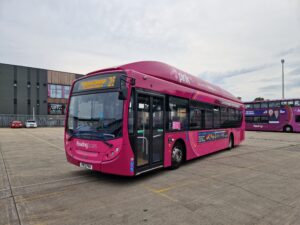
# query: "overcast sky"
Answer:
x=235 y=44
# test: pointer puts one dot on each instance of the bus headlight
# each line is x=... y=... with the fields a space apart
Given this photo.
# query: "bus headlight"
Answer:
x=111 y=154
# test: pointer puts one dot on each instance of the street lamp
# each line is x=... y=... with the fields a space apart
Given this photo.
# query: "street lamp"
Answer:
x=282 y=62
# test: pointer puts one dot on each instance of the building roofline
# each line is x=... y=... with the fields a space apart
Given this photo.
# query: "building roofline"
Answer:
x=41 y=68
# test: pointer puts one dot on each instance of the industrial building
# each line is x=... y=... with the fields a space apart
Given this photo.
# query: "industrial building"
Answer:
x=26 y=92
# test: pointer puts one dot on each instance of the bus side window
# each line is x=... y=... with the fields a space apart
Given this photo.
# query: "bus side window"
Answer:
x=264 y=105
x=256 y=119
x=277 y=104
x=238 y=118
x=249 y=119
x=283 y=103
x=195 y=118
x=264 y=119
x=256 y=106
x=231 y=117
x=217 y=117
x=271 y=104
x=297 y=118
x=291 y=103
x=224 y=117
x=178 y=114
x=297 y=102
x=208 y=119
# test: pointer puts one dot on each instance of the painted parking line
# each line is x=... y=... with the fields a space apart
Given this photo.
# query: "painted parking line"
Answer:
x=162 y=191
x=48 y=182
x=43 y=140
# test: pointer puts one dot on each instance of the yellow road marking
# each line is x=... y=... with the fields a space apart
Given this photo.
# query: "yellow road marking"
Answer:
x=21 y=199
x=162 y=191
x=173 y=187
x=168 y=197
x=161 y=194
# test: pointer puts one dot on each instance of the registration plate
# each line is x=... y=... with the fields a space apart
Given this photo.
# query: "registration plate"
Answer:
x=86 y=166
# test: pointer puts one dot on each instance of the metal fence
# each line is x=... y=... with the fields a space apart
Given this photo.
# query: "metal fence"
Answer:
x=42 y=120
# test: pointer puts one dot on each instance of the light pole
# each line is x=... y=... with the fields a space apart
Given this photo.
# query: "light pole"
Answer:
x=282 y=62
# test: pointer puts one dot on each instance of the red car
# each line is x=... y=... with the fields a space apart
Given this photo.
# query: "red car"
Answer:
x=16 y=124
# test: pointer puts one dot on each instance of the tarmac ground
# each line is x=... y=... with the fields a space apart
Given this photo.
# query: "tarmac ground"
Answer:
x=257 y=182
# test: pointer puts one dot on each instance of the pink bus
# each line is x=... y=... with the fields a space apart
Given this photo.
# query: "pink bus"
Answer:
x=142 y=116
x=273 y=115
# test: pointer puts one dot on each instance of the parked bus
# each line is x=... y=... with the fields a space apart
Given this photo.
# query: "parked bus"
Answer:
x=273 y=115
x=142 y=116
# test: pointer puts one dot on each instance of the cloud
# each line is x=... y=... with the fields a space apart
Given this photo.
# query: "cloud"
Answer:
x=294 y=50
x=295 y=71
x=269 y=88
x=293 y=83
x=232 y=73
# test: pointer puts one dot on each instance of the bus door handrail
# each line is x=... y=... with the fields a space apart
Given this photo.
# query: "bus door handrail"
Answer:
x=147 y=142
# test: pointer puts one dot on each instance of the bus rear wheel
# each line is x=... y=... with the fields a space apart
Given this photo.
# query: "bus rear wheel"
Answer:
x=288 y=129
x=177 y=156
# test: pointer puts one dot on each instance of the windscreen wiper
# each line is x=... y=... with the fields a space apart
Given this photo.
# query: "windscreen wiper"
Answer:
x=107 y=143
x=71 y=136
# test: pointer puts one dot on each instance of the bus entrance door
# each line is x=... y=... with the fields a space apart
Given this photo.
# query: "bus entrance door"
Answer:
x=150 y=132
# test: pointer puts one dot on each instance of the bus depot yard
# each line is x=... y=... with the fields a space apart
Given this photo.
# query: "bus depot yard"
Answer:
x=257 y=182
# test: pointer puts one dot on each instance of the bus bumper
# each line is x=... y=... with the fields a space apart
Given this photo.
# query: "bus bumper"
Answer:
x=121 y=165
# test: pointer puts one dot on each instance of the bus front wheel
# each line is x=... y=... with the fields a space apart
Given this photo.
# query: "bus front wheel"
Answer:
x=177 y=156
x=288 y=129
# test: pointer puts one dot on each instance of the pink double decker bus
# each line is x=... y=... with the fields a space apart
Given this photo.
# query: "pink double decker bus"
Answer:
x=273 y=115
x=142 y=116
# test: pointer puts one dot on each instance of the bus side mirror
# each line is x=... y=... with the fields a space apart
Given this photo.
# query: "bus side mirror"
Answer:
x=123 y=93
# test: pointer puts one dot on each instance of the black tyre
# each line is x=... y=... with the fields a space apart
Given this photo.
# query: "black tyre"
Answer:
x=288 y=129
x=177 y=155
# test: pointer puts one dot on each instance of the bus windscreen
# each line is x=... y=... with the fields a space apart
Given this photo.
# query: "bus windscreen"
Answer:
x=96 y=116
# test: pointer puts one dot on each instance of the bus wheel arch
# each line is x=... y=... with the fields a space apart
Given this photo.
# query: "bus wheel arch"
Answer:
x=231 y=141
x=288 y=128
x=178 y=154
